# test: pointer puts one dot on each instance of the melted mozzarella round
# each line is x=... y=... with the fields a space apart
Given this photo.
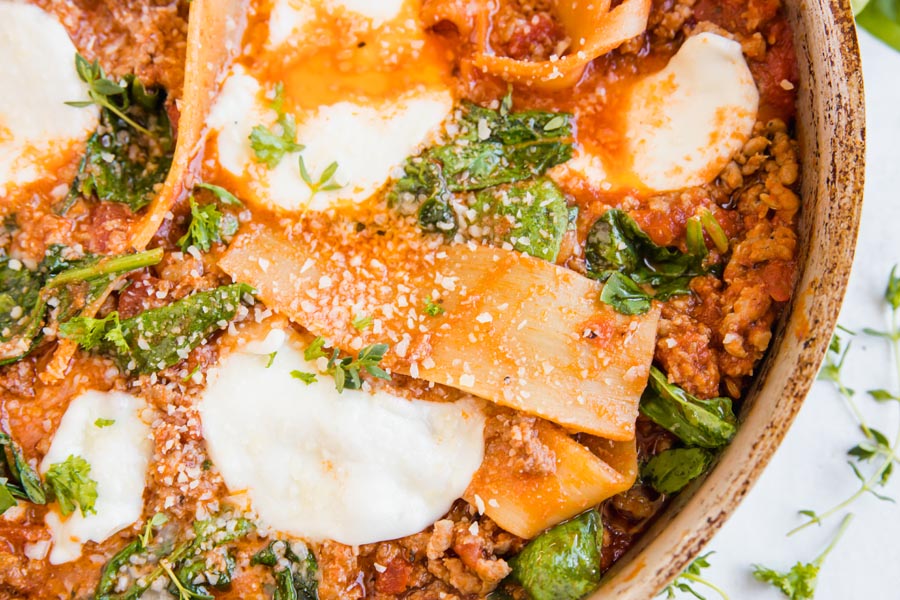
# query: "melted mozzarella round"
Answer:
x=682 y=124
x=366 y=141
x=118 y=454
x=355 y=467
x=37 y=76
x=686 y=121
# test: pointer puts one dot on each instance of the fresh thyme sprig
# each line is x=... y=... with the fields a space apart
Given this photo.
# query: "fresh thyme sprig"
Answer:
x=691 y=576
x=799 y=583
x=876 y=446
x=326 y=182
x=102 y=90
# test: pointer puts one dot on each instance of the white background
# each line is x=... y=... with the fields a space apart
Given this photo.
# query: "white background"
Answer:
x=810 y=469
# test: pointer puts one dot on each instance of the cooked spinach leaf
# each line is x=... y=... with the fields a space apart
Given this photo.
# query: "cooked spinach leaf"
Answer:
x=297 y=580
x=531 y=216
x=57 y=289
x=563 y=563
x=625 y=296
x=19 y=479
x=160 y=337
x=617 y=244
x=70 y=484
x=130 y=153
x=492 y=147
x=177 y=559
x=704 y=423
x=669 y=471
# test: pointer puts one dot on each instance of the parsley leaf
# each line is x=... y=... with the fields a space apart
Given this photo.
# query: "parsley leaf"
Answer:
x=71 y=485
x=361 y=322
x=101 y=423
x=799 y=583
x=346 y=370
x=130 y=153
x=270 y=145
x=690 y=576
x=432 y=308
x=208 y=226
x=305 y=377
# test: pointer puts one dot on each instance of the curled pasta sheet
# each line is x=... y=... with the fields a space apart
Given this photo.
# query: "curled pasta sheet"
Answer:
x=527 y=503
x=592 y=26
x=519 y=331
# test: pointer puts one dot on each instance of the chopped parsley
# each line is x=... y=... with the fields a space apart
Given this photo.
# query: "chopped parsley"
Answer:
x=71 y=484
x=305 y=377
x=101 y=423
x=326 y=182
x=314 y=350
x=361 y=322
x=208 y=226
x=432 y=308
x=270 y=145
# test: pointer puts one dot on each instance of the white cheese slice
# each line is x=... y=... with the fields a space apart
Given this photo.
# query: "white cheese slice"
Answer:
x=355 y=467
x=118 y=454
x=37 y=75
x=289 y=18
x=367 y=141
x=682 y=124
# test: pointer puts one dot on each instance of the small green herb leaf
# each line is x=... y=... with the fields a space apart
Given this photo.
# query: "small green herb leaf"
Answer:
x=71 y=485
x=691 y=577
x=224 y=196
x=799 y=583
x=101 y=423
x=432 y=308
x=361 y=322
x=208 y=226
x=303 y=376
x=314 y=350
x=269 y=146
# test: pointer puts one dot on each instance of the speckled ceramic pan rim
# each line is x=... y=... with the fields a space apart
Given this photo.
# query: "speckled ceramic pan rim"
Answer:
x=831 y=115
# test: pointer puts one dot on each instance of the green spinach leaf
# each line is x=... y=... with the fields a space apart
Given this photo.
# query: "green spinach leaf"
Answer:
x=296 y=581
x=129 y=155
x=881 y=18
x=19 y=479
x=58 y=288
x=492 y=147
x=160 y=337
x=668 y=472
x=704 y=423
x=563 y=563
x=531 y=216
x=616 y=243
x=625 y=296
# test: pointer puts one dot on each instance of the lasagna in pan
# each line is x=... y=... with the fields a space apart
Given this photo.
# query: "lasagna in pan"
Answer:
x=348 y=299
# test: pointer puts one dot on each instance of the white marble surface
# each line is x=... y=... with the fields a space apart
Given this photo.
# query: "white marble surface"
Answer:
x=810 y=470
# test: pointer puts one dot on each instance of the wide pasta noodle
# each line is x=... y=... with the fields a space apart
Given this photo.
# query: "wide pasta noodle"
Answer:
x=526 y=504
x=593 y=28
x=518 y=331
